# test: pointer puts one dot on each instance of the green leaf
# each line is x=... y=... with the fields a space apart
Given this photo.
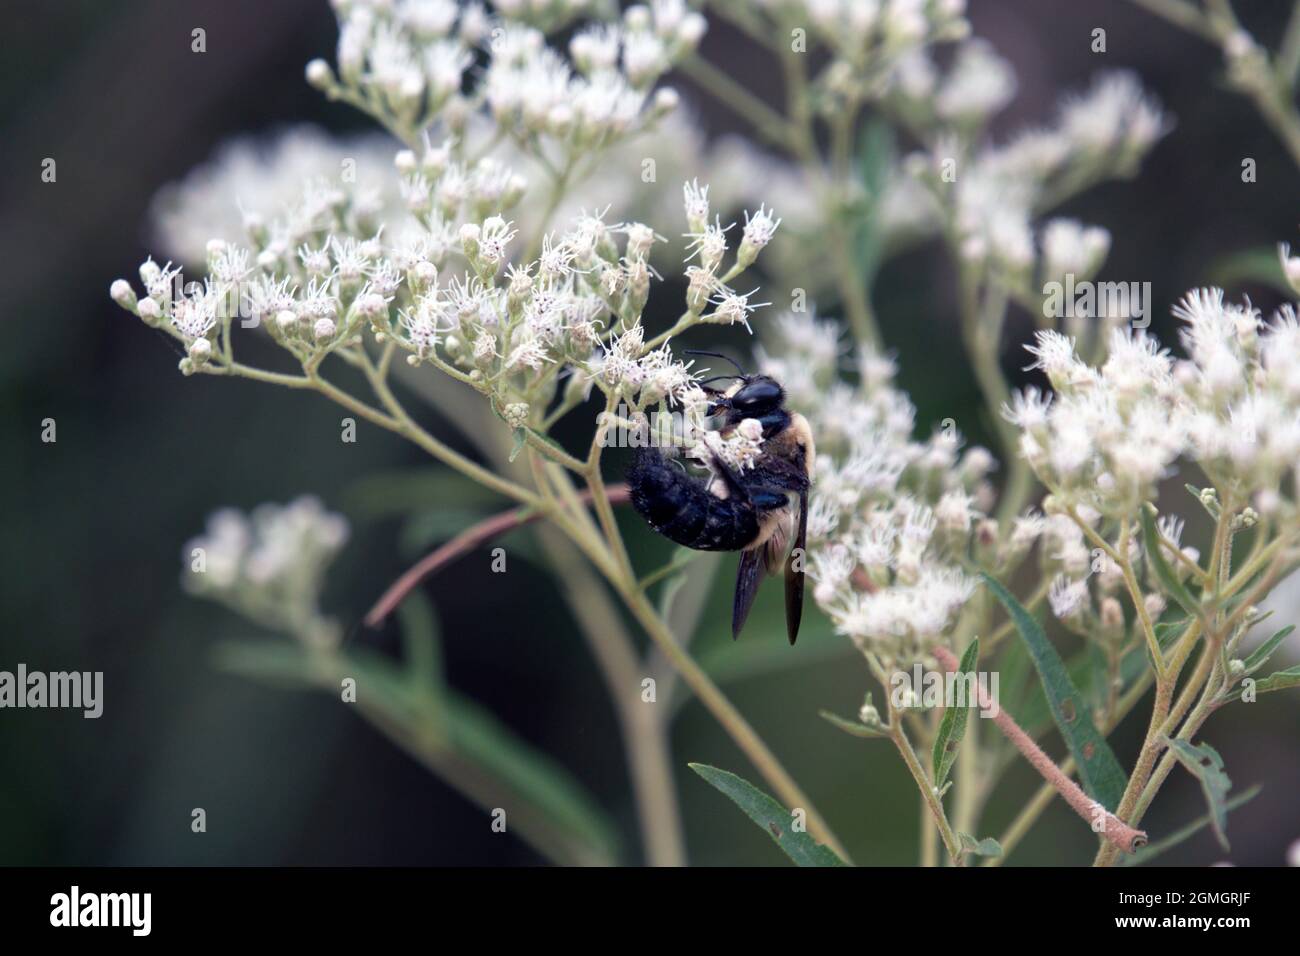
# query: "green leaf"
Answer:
x=1013 y=666
x=1153 y=850
x=986 y=847
x=1259 y=657
x=1279 y=680
x=686 y=594
x=1168 y=632
x=1259 y=266
x=770 y=816
x=520 y=439
x=544 y=785
x=472 y=744
x=1098 y=769
x=851 y=726
x=1204 y=762
x=428 y=529
x=1156 y=557
x=953 y=726
x=408 y=490
x=877 y=150
x=1211 y=504
x=765 y=649
x=421 y=647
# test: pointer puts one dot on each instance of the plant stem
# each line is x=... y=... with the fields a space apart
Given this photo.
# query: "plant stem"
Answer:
x=643 y=728
x=1117 y=834
x=750 y=743
x=928 y=796
x=1030 y=813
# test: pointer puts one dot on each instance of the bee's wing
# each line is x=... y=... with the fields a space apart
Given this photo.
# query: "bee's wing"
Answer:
x=748 y=577
x=794 y=565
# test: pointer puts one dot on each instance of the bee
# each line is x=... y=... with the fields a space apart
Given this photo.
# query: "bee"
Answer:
x=762 y=511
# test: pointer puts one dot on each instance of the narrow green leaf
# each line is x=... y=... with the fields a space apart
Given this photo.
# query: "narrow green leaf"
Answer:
x=1204 y=762
x=953 y=726
x=1099 y=771
x=1168 y=632
x=986 y=847
x=1170 y=581
x=680 y=559
x=422 y=648
x=1259 y=265
x=544 y=785
x=474 y=743
x=878 y=150
x=851 y=726
x=520 y=439
x=1259 y=657
x=408 y=490
x=770 y=817
x=1153 y=850
x=1210 y=504
x=1013 y=666
x=683 y=609
x=1279 y=680
x=426 y=529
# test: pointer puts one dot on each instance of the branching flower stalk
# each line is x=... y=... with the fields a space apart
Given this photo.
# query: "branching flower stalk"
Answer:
x=485 y=273
x=325 y=287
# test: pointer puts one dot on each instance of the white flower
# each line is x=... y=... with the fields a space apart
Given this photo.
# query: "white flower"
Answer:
x=1067 y=598
x=759 y=230
x=696 y=200
x=495 y=236
x=731 y=308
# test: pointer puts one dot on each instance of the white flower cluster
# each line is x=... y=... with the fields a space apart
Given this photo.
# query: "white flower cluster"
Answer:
x=410 y=62
x=455 y=292
x=865 y=40
x=269 y=565
x=990 y=195
x=890 y=517
x=274 y=182
x=1109 y=434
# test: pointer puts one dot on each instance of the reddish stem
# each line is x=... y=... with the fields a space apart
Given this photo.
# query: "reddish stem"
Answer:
x=467 y=541
x=1116 y=830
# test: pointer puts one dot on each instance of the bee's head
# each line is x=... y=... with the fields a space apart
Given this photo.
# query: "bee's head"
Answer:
x=753 y=397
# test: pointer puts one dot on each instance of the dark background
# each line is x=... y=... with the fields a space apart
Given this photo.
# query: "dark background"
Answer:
x=93 y=524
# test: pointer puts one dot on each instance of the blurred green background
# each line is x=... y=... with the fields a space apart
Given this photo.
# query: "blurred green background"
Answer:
x=93 y=524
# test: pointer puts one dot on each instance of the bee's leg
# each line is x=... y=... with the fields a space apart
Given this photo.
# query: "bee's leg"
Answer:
x=768 y=499
x=735 y=488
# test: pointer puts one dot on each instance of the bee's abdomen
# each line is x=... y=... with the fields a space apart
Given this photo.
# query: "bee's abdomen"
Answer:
x=682 y=508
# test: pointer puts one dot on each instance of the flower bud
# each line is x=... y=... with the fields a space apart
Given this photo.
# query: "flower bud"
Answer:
x=149 y=310
x=1112 y=616
x=666 y=99
x=324 y=330
x=405 y=161
x=319 y=74
x=1290 y=267
x=200 y=351
x=516 y=414
x=123 y=294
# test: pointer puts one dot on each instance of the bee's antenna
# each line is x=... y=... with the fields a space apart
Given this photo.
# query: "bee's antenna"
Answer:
x=717 y=378
x=725 y=358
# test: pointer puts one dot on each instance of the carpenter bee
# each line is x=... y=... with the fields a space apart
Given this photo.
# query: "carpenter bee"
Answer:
x=762 y=511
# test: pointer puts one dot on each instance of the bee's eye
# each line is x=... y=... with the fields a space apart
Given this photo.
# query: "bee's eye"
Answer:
x=758 y=396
